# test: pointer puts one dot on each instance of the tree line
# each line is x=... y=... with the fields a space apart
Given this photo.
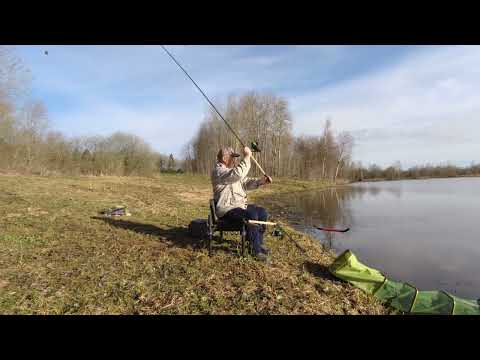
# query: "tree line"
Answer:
x=29 y=145
x=357 y=172
x=266 y=119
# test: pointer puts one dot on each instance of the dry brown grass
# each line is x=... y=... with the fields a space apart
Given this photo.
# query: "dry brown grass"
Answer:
x=58 y=257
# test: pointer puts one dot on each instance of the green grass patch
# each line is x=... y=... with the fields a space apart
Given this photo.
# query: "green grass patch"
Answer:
x=20 y=240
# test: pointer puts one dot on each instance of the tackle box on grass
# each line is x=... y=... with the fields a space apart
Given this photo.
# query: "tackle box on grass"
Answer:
x=198 y=228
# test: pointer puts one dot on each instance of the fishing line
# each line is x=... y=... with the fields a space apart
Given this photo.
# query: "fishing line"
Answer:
x=206 y=97
x=213 y=106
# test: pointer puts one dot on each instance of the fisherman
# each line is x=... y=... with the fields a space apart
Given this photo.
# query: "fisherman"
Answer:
x=230 y=184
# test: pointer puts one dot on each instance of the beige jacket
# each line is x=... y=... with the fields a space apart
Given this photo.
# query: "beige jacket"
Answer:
x=230 y=186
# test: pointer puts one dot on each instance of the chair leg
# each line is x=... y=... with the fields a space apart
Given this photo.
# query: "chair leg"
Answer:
x=210 y=236
x=242 y=234
x=209 y=244
x=221 y=236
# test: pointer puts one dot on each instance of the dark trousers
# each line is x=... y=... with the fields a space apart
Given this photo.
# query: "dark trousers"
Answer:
x=254 y=231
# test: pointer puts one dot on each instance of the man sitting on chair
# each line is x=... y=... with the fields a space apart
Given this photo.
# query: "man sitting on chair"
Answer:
x=230 y=184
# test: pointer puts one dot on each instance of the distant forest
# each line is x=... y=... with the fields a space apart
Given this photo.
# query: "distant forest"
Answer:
x=29 y=145
x=266 y=119
x=395 y=172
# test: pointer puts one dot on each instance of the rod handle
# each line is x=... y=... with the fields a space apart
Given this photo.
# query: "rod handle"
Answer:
x=258 y=165
x=261 y=222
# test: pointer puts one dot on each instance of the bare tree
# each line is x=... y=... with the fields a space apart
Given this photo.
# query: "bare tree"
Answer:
x=15 y=77
x=171 y=163
x=344 y=151
x=33 y=125
x=263 y=118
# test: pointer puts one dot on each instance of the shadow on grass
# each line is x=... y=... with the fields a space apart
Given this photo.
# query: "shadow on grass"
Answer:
x=320 y=271
x=174 y=236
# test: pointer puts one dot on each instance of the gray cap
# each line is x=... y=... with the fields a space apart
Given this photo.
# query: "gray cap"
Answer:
x=226 y=151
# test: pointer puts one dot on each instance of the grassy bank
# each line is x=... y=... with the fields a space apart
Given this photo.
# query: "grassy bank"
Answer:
x=57 y=256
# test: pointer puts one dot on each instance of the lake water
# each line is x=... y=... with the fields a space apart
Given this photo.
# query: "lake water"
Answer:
x=424 y=232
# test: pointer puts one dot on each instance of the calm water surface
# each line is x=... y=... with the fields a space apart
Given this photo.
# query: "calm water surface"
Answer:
x=424 y=232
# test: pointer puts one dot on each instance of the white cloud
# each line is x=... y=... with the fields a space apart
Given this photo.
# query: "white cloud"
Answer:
x=165 y=129
x=102 y=89
x=424 y=109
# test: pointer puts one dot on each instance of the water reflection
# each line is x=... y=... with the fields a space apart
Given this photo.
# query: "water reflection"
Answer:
x=373 y=190
x=421 y=231
x=327 y=208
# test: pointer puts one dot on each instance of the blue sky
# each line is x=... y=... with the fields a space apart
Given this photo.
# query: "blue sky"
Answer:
x=415 y=104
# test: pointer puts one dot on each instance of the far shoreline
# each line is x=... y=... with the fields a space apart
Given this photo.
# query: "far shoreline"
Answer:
x=418 y=178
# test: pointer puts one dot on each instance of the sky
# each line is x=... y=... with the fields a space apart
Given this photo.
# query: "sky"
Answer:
x=413 y=104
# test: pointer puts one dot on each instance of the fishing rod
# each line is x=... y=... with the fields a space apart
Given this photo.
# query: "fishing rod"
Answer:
x=277 y=231
x=296 y=244
x=291 y=239
x=254 y=145
x=332 y=229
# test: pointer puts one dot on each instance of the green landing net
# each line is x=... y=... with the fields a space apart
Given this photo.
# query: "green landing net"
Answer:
x=401 y=296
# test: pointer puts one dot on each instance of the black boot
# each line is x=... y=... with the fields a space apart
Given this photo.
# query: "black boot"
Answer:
x=262 y=257
x=265 y=250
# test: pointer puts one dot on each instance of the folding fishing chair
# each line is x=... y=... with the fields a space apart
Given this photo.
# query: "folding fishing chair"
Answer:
x=217 y=224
